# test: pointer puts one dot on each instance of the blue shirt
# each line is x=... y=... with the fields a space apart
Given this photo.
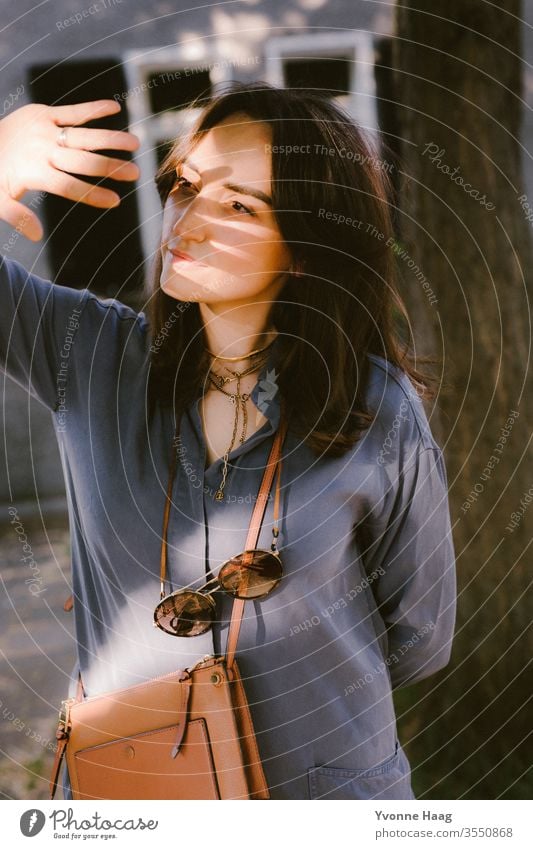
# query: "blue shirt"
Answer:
x=367 y=601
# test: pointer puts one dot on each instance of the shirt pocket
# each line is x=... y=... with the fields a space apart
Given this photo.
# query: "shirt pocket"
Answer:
x=390 y=779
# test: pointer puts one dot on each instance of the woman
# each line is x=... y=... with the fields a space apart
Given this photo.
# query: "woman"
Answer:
x=274 y=283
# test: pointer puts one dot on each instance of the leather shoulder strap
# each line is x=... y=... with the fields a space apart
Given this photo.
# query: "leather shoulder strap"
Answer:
x=273 y=463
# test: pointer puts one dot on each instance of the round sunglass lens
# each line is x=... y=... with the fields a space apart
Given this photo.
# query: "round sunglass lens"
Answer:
x=185 y=614
x=252 y=574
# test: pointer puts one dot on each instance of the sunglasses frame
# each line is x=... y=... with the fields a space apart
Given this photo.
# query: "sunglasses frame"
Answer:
x=207 y=597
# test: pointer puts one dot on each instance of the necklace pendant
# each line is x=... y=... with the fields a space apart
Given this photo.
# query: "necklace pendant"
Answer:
x=219 y=495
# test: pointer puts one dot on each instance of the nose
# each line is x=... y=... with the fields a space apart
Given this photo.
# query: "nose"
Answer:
x=190 y=225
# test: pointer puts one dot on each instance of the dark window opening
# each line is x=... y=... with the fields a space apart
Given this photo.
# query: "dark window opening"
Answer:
x=330 y=75
x=176 y=89
x=90 y=247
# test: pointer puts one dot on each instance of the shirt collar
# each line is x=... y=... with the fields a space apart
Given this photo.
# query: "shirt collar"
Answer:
x=265 y=393
x=265 y=396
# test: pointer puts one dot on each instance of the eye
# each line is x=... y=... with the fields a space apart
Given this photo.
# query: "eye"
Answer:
x=242 y=207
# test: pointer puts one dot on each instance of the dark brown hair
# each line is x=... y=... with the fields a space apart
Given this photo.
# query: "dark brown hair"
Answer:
x=346 y=303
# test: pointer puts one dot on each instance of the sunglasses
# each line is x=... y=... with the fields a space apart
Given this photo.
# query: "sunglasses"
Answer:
x=250 y=575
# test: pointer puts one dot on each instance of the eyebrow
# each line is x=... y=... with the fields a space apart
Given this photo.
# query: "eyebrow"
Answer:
x=235 y=187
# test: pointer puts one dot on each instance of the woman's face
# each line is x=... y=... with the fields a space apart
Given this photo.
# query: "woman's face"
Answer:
x=219 y=214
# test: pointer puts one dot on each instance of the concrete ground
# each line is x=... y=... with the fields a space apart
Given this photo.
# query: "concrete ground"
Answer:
x=37 y=649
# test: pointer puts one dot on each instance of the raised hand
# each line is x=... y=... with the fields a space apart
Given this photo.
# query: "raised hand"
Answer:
x=32 y=159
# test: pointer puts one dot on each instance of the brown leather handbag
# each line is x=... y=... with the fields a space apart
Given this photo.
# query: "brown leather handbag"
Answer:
x=185 y=735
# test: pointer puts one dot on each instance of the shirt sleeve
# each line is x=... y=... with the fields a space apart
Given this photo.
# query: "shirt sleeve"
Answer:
x=408 y=546
x=38 y=323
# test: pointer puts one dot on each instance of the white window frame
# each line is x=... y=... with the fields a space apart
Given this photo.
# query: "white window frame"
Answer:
x=357 y=46
x=139 y=66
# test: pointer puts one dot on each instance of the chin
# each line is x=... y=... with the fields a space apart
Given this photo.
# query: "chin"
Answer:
x=177 y=286
x=174 y=292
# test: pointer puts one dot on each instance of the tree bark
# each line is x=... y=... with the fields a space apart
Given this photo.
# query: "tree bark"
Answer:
x=458 y=87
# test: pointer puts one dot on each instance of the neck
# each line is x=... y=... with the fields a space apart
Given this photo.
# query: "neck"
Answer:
x=236 y=333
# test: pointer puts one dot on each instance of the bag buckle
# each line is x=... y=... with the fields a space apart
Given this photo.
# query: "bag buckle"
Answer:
x=64 y=717
x=206 y=660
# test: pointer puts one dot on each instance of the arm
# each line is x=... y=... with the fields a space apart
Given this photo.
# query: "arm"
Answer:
x=38 y=324
x=38 y=320
x=409 y=537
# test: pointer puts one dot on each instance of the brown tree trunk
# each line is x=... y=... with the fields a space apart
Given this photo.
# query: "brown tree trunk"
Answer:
x=457 y=79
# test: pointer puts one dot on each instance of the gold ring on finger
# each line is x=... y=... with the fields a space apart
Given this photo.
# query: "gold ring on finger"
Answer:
x=62 y=137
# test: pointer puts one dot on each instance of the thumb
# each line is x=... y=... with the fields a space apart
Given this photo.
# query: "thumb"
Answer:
x=20 y=217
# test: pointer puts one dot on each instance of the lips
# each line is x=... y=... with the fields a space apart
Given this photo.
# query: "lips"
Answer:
x=182 y=255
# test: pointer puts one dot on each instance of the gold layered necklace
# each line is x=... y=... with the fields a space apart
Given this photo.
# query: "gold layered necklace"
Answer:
x=258 y=357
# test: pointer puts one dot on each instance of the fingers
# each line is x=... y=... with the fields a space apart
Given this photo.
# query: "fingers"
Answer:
x=85 y=138
x=88 y=139
x=80 y=113
x=93 y=165
x=20 y=217
x=67 y=186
